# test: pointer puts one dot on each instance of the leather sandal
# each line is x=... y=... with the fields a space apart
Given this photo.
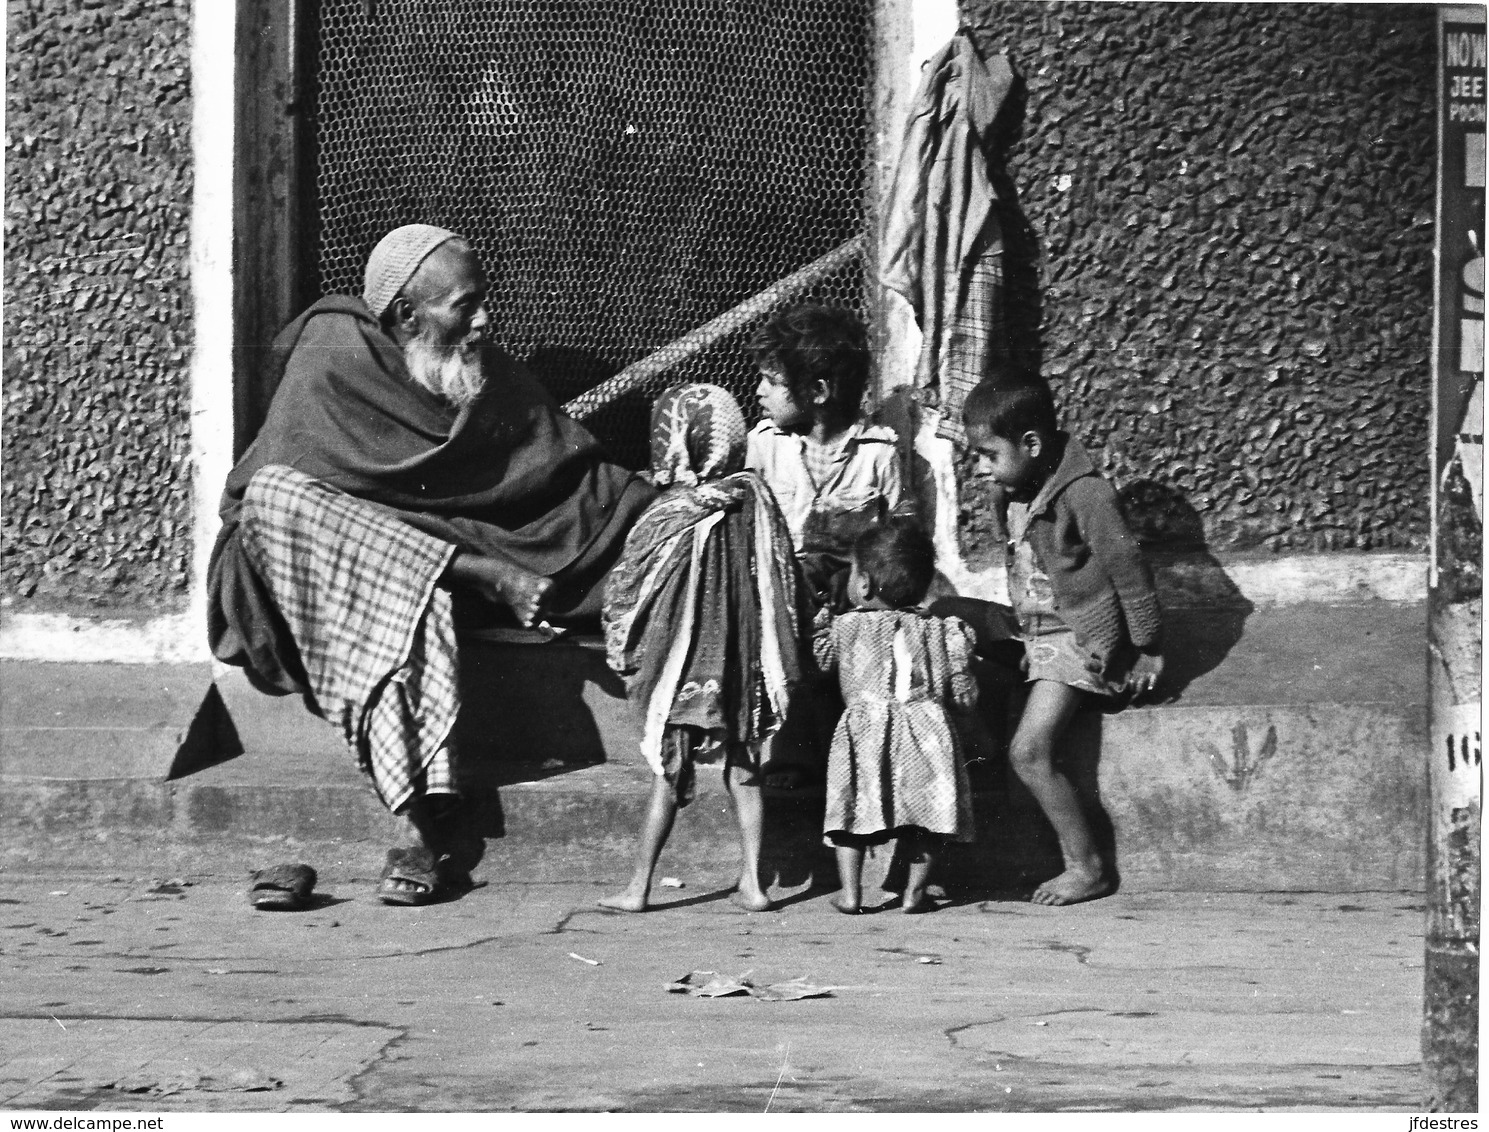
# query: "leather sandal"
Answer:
x=282 y=888
x=413 y=877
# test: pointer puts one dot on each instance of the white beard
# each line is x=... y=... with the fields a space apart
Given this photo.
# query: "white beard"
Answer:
x=451 y=373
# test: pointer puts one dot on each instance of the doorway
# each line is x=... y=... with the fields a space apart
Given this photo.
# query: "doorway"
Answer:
x=627 y=171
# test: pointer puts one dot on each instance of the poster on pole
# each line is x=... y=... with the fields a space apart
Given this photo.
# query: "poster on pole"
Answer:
x=1458 y=360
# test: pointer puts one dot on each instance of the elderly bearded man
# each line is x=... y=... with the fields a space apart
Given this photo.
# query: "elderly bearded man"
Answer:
x=405 y=467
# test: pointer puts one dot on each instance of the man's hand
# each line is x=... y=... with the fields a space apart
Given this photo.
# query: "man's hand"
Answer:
x=501 y=580
x=1145 y=674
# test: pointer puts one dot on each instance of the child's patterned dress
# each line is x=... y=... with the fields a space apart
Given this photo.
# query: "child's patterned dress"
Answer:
x=895 y=758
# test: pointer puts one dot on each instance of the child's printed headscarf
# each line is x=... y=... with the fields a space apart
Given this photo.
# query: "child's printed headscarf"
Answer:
x=697 y=434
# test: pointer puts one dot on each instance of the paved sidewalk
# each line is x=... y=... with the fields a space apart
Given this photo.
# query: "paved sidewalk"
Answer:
x=126 y=993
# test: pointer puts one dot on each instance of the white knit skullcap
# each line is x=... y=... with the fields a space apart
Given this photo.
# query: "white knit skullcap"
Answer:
x=395 y=259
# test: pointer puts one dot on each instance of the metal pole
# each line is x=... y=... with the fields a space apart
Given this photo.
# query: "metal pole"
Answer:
x=1455 y=610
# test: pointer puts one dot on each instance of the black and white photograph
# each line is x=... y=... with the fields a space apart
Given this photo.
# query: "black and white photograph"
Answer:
x=834 y=557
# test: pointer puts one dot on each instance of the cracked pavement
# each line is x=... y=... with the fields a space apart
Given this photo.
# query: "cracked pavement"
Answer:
x=172 y=994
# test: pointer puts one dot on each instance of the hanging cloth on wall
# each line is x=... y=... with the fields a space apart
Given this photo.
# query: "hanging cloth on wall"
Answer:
x=942 y=247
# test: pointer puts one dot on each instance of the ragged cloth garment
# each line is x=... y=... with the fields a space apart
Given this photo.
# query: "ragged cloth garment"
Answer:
x=895 y=758
x=943 y=243
x=356 y=586
x=511 y=473
x=704 y=611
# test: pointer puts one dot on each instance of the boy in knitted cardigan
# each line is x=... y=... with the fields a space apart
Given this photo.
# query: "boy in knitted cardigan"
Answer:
x=1084 y=599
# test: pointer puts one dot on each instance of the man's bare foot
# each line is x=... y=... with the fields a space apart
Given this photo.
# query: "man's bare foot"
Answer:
x=503 y=582
x=398 y=885
x=626 y=901
x=1071 y=887
x=846 y=905
x=752 y=900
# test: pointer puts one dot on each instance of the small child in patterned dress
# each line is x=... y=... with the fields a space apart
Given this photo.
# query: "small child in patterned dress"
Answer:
x=895 y=769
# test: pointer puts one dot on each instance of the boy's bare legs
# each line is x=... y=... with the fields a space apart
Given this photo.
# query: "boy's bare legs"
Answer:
x=850 y=876
x=743 y=789
x=661 y=809
x=920 y=859
x=1048 y=713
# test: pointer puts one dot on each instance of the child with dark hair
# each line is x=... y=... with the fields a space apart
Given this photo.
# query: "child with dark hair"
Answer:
x=1084 y=600
x=833 y=473
x=895 y=769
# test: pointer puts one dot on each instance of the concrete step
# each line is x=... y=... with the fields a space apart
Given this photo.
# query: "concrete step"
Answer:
x=1291 y=758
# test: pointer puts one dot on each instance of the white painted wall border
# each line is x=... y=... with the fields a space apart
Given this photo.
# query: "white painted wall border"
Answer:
x=1330 y=578
x=1322 y=579
x=1301 y=579
x=179 y=637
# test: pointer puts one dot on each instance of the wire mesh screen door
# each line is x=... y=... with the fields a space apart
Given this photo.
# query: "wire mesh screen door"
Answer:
x=644 y=179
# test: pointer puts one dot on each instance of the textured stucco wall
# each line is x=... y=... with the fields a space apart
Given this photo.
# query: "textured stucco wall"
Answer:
x=96 y=498
x=1231 y=212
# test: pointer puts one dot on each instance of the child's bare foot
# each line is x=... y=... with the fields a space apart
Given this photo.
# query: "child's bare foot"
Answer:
x=846 y=904
x=913 y=903
x=626 y=901
x=750 y=899
x=1072 y=886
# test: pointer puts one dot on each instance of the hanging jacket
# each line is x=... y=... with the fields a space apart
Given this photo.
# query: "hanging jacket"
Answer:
x=942 y=245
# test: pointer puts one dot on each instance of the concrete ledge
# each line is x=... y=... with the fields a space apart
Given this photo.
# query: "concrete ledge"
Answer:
x=1286 y=580
x=86 y=721
x=1257 y=798
x=1292 y=759
x=1315 y=796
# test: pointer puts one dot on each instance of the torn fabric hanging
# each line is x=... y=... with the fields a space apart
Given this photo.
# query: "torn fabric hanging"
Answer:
x=942 y=247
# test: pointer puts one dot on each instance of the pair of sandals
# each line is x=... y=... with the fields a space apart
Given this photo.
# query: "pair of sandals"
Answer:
x=410 y=877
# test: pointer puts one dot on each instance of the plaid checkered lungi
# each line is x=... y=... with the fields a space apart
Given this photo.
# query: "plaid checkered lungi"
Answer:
x=356 y=586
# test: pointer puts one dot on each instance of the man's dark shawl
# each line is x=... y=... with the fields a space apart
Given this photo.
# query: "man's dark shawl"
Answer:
x=511 y=473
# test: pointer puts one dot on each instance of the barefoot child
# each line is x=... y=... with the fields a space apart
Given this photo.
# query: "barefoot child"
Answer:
x=704 y=617
x=1084 y=598
x=895 y=769
x=833 y=473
